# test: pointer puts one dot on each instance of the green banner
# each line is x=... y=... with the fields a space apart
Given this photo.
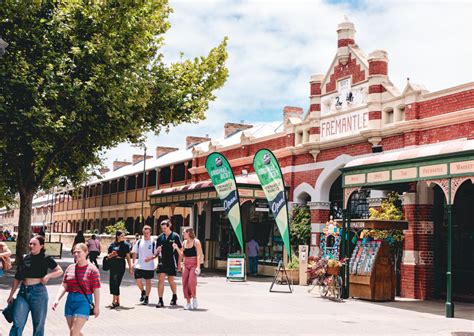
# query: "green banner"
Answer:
x=269 y=173
x=223 y=179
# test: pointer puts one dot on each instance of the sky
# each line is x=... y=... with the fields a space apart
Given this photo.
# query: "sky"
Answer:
x=276 y=45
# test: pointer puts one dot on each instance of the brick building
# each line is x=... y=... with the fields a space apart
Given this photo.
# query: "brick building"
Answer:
x=360 y=138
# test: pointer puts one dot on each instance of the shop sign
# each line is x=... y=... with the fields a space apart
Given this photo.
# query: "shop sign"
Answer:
x=217 y=207
x=380 y=176
x=236 y=267
x=261 y=206
x=245 y=193
x=344 y=125
x=259 y=193
x=182 y=197
x=434 y=170
x=354 y=179
x=405 y=173
x=462 y=167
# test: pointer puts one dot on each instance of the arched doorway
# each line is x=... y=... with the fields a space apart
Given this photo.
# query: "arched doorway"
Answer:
x=463 y=242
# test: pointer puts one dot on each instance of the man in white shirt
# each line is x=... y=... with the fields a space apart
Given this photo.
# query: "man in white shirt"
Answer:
x=144 y=266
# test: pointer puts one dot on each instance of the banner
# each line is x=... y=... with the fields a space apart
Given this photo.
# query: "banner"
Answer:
x=223 y=179
x=269 y=174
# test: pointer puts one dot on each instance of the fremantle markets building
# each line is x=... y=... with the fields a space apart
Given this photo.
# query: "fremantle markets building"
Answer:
x=361 y=138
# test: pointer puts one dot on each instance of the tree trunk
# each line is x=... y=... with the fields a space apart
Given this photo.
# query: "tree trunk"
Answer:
x=24 y=223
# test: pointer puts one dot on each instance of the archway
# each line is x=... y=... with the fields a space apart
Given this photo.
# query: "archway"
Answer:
x=463 y=240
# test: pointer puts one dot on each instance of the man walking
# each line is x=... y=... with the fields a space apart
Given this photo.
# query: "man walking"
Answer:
x=169 y=261
x=143 y=254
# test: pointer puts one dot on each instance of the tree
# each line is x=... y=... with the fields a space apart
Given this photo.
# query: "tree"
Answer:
x=82 y=76
x=300 y=227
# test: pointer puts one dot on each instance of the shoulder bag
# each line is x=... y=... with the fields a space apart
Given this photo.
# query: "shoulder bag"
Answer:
x=91 y=304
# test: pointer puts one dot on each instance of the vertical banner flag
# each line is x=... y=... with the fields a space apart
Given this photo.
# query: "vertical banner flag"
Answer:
x=269 y=174
x=223 y=179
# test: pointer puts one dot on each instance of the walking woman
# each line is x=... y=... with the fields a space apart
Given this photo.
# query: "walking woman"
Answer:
x=118 y=251
x=192 y=252
x=93 y=246
x=5 y=254
x=79 y=238
x=33 y=276
x=80 y=281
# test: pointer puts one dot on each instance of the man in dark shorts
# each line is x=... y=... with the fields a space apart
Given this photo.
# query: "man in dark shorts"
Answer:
x=143 y=254
x=169 y=261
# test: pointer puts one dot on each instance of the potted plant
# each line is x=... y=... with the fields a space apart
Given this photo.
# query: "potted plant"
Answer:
x=292 y=269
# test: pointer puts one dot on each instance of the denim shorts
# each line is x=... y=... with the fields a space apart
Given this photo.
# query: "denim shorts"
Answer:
x=77 y=305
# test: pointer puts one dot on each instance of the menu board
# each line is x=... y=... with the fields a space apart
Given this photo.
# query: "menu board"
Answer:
x=363 y=257
x=236 y=267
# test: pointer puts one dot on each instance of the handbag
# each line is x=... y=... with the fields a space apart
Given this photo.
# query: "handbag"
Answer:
x=91 y=304
x=105 y=264
x=8 y=312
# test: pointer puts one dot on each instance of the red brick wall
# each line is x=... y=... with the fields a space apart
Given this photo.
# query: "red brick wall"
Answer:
x=320 y=216
x=377 y=88
x=351 y=149
x=350 y=69
x=344 y=42
x=378 y=68
x=314 y=107
x=375 y=115
x=451 y=103
x=315 y=89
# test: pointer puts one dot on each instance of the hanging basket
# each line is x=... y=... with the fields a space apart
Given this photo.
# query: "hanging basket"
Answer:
x=333 y=270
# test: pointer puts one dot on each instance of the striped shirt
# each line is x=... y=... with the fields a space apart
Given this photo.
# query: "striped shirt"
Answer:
x=88 y=276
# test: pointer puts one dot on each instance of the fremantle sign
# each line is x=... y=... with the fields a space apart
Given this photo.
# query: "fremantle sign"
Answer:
x=344 y=125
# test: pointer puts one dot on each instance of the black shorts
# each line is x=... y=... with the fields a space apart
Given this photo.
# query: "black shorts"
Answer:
x=144 y=274
x=168 y=269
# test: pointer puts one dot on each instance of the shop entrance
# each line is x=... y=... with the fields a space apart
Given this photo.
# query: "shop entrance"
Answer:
x=463 y=242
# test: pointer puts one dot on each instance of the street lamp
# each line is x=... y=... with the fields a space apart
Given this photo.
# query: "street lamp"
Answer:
x=3 y=46
x=143 y=183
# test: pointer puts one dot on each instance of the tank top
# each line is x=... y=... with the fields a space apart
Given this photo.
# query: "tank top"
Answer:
x=190 y=252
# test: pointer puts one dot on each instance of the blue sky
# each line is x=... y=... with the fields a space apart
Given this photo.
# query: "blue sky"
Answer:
x=275 y=46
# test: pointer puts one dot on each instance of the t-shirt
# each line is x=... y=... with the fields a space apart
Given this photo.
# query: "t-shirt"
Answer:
x=144 y=249
x=88 y=276
x=35 y=266
x=252 y=248
x=93 y=245
x=168 y=255
x=122 y=248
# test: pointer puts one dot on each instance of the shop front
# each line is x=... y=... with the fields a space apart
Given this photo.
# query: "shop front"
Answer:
x=438 y=192
x=213 y=228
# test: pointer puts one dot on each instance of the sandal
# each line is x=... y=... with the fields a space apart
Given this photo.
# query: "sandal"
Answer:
x=113 y=305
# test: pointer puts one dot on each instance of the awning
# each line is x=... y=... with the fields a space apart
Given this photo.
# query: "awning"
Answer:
x=442 y=160
x=187 y=195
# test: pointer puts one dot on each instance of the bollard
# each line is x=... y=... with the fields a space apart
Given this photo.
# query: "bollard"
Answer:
x=303 y=259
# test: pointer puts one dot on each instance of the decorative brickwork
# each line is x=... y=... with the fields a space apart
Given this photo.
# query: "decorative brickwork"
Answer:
x=315 y=130
x=375 y=115
x=378 y=68
x=315 y=89
x=352 y=68
x=344 y=42
x=377 y=88
x=314 y=107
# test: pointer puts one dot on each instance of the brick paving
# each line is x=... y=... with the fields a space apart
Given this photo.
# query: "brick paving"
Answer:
x=231 y=308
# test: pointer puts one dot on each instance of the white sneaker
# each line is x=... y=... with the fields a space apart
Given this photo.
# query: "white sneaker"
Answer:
x=188 y=306
x=195 y=303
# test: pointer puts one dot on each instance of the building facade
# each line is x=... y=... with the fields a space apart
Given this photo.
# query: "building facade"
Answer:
x=360 y=138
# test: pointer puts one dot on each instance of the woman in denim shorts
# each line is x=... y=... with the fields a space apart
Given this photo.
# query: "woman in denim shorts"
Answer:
x=80 y=281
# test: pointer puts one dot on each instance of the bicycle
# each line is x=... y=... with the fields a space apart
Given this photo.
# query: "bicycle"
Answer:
x=328 y=284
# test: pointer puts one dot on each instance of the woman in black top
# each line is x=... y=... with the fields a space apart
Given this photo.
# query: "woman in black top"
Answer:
x=32 y=274
x=118 y=251
x=79 y=238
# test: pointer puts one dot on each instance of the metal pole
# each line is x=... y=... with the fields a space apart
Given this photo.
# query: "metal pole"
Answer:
x=449 y=289
x=345 y=252
x=143 y=184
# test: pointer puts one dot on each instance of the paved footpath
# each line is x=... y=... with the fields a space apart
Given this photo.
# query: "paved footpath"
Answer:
x=232 y=308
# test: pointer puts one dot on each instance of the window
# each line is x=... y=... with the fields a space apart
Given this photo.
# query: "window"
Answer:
x=387 y=116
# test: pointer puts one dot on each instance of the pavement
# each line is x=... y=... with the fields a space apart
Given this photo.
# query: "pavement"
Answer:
x=248 y=308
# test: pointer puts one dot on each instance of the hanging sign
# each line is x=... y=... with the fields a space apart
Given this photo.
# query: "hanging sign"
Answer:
x=223 y=179
x=269 y=174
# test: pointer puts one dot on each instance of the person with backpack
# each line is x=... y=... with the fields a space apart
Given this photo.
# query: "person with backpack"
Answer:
x=169 y=261
x=81 y=280
x=144 y=268
x=118 y=252
x=32 y=274
x=5 y=262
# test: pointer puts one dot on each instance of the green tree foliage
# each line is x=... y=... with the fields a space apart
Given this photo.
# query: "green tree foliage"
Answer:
x=82 y=76
x=388 y=209
x=119 y=226
x=300 y=225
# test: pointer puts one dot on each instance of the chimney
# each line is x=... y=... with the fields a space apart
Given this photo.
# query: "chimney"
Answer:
x=139 y=157
x=345 y=37
x=160 y=150
x=231 y=128
x=119 y=164
x=193 y=141
x=291 y=111
x=104 y=170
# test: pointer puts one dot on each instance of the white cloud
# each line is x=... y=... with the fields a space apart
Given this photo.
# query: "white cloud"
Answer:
x=275 y=46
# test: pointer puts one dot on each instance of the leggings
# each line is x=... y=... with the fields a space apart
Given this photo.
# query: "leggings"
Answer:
x=189 y=277
x=116 y=275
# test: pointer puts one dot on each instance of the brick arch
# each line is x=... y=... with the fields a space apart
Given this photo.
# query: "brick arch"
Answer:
x=302 y=190
x=328 y=176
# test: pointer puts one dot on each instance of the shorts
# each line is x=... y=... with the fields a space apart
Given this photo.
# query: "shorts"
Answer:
x=143 y=274
x=77 y=305
x=168 y=269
